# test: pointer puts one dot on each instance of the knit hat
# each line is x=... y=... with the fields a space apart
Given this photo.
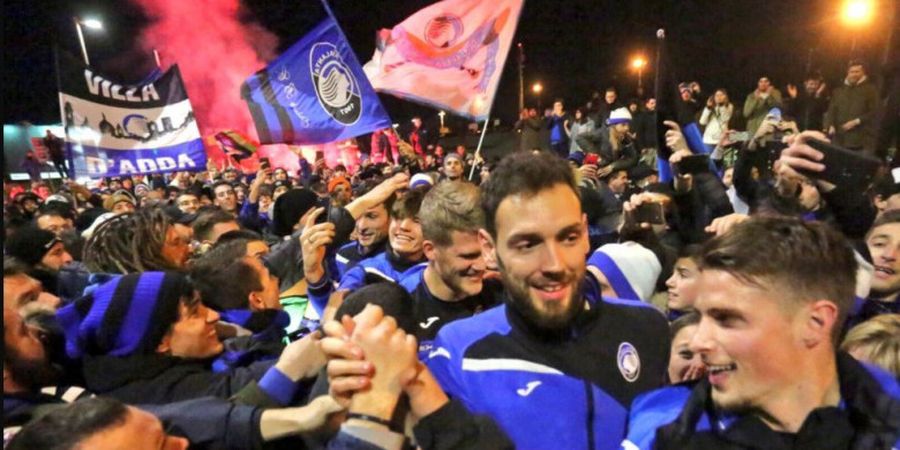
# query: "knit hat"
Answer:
x=289 y=208
x=176 y=215
x=630 y=268
x=119 y=196
x=619 y=115
x=420 y=179
x=127 y=315
x=29 y=244
x=141 y=189
x=338 y=181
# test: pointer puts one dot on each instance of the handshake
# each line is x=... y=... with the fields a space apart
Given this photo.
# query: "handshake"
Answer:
x=372 y=363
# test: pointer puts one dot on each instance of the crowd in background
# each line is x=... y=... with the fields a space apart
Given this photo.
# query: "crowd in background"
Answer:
x=565 y=296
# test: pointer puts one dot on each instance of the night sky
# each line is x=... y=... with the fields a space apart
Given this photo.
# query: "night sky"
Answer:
x=572 y=46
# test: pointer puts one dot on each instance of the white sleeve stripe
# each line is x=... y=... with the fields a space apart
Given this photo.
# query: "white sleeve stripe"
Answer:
x=341 y=259
x=485 y=365
x=379 y=273
x=72 y=394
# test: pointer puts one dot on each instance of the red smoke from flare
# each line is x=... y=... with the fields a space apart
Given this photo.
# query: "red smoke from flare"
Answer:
x=215 y=52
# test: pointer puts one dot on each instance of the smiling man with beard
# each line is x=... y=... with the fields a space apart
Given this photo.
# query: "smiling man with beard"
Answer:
x=557 y=365
x=771 y=317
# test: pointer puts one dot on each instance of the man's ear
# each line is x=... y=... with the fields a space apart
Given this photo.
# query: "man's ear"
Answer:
x=428 y=249
x=488 y=248
x=165 y=345
x=255 y=301
x=821 y=318
x=879 y=202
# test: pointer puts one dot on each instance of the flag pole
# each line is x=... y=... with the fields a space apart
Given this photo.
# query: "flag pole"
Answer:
x=480 y=141
x=156 y=57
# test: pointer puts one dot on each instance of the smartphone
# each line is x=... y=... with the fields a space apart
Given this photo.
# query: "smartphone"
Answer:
x=693 y=164
x=845 y=168
x=591 y=158
x=651 y=213
x=324 y=202
x=264 y=163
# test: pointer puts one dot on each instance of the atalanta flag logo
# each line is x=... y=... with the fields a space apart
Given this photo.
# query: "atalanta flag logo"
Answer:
x=336 y=87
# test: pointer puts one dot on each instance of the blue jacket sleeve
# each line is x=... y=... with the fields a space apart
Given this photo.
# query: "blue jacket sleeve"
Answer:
x=651 y=411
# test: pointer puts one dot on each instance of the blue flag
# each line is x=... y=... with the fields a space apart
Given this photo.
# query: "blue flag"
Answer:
x=314 y=93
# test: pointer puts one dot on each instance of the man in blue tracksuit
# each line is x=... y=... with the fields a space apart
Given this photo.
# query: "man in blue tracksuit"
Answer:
x=453 y=285
x=771 y=316
x=402 y=258
x=557 y=365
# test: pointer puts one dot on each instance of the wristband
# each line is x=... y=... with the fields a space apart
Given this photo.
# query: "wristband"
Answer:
x=368 y=418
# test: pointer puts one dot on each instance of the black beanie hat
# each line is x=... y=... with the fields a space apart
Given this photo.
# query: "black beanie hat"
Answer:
x=30 y=243
x=290 y=207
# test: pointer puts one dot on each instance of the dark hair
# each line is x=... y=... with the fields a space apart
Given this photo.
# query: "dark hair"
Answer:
x=692 y=251
x=408 y=205
x=690 y=318
x=391 y=297
x=65 y=428
x=207 y=220
x=13 y=267
x=223 y=276
x=55 y=208
x=611 y=89
x=856 y=62
x=221 y=183
x=805 y=260
x=889 y=216
x=523 y=173
x=243 y=235
x=128 y=243
x=267 y=190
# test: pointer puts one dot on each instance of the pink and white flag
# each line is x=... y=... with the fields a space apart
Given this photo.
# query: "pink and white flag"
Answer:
x=449 y=55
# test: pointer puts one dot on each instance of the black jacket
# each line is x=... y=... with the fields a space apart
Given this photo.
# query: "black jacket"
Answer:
x=154 y=379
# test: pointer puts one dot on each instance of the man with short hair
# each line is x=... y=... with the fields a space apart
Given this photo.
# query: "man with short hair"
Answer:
x=556 y=348
x=188 y=202
x=371 y=237
x=225 y=197
x=22 y=292
x=54 y=220
x=452 y=286
x=808 y=106
x=759 y=102
x=403 y=257
x=769 y=329
x=850 y=118
x=453 y=167
x=212 y=224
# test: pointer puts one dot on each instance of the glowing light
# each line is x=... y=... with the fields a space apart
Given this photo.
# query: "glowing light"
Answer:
x=93 y=24
x=638 y=63
x=537 y=88
x=858 y=12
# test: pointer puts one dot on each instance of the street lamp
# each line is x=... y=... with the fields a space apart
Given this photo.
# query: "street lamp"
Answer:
x=638 y=64
x=537 y=88
x=855 y=14
x=92 y=24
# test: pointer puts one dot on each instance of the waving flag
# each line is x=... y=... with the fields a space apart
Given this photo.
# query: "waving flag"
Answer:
x=449 y=55
x=117 y=129
x=314 y=93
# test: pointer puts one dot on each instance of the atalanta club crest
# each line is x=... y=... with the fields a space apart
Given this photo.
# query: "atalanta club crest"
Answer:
x=336 y=87
x=629 y=362
x=443 y=31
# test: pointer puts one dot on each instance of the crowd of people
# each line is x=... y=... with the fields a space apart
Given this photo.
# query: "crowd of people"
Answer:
x=561 y=297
